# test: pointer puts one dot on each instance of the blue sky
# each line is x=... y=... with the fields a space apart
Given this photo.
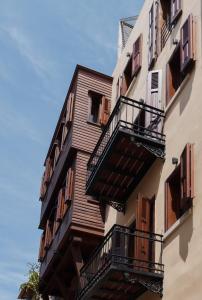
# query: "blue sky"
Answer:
x=40 y=44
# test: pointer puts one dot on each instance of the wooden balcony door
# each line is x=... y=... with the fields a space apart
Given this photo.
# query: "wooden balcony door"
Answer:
x=143 y=244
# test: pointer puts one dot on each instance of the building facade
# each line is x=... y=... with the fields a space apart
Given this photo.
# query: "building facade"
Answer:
x=72 y=223
x=143 y=169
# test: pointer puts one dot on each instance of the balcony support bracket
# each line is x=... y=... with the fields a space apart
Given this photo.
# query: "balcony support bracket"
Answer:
x=120 y=207
x=158 y=152
x=152 y=285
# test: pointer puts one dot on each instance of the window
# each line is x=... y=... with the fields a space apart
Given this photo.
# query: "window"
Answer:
x=154 y=94
x=174 y=74
x=153 y=33
x=137 y=56
x=165 y=21
x=179 y=188
x=95 y=105
x=127 y=77
x=176 y=10
x=99 y=108
x=182 y=59
x=187 y=44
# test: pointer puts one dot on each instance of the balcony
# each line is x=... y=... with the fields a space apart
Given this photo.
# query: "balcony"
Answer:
x=128 y=146
x=127 y=264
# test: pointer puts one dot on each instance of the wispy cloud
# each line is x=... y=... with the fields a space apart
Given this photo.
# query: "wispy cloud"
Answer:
x=17 y=123
x=29 y=50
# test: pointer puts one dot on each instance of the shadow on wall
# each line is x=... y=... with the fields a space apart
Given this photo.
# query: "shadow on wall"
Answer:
x=186 y=91
x=184 y=234
x=148 y=187
x=184 y=94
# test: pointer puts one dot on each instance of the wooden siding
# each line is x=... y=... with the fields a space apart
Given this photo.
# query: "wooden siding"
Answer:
x=45 y=207
x=85 y=135
x=87 y=214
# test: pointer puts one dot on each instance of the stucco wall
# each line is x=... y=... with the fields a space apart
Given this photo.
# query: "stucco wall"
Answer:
x=183 y=246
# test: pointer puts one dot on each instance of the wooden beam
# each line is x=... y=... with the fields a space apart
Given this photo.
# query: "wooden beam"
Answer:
x=133 y=157
x=77 y=257
x=109 y=184
x=119 y=171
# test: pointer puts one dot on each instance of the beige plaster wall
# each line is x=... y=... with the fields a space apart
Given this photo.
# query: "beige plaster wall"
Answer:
x=182 y=252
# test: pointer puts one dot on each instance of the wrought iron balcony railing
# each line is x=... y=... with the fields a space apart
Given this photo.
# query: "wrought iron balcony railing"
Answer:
x=165 y=33
x=133 y=253
x=134 y=118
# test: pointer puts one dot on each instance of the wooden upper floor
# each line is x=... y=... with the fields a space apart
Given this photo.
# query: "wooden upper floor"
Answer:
x=84 y=113
x=67 y=212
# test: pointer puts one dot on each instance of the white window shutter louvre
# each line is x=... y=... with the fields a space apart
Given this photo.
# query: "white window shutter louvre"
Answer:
x=154 y=95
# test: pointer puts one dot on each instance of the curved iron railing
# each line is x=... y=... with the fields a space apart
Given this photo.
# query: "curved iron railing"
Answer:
x=127 y=115
x=120 y=249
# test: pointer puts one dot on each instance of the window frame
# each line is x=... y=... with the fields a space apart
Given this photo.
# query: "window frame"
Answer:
x=90 y=99
x=175 y=13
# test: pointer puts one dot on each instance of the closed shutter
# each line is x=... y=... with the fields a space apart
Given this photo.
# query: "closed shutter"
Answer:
x=60 y=207
x=41 y=248
x=105 y=111
x=69 y=185
x=47 y=174
x=187 y=173
x=48 y=235
x=187 y=44
x=137 y=56
x=70 y=104
x=176 y=10
x=154 y=94
x=143 y=221
x=55 y=227
x=153 y=33
x=64 y=133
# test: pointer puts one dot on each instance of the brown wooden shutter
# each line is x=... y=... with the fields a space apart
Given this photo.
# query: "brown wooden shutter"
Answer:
x=48 y=235
x=143 y=219
x=187 y=44
x=170 y=208
x=41 y=248
x=43 y=187
x=57 y=152
x=60 y=207
x=170 y=91
x=47 y=170
x=105 y=111
x=187 y=173
x=123 y=85
x=70 y=104
x=69 y=185
x=176 y=10
x=137 y=56
x=64 y=133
